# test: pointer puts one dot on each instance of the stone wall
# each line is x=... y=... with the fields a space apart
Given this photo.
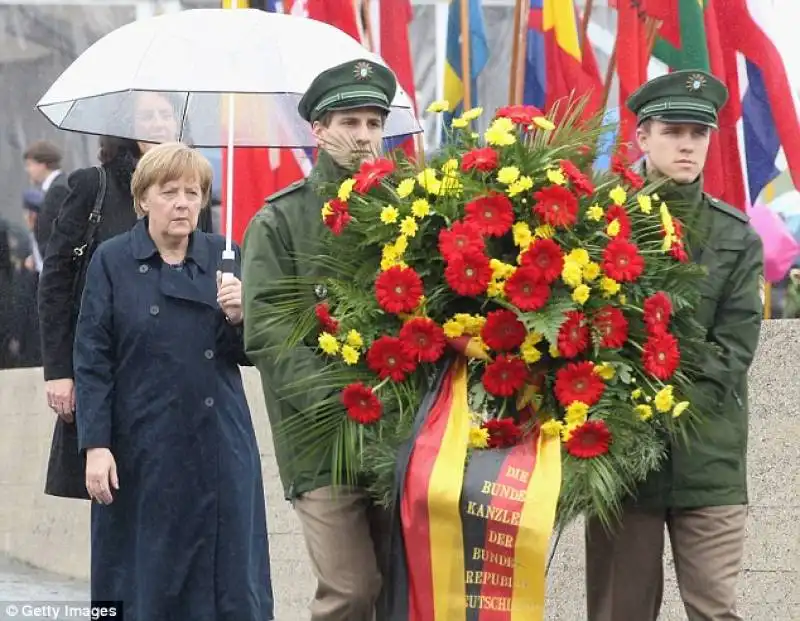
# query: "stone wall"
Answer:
x=53 y=533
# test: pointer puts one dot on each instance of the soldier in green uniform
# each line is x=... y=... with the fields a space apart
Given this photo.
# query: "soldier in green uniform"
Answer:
x=700 y=492
x=347 y=108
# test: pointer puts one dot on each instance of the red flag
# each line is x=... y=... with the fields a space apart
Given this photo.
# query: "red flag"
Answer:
x=339 y=13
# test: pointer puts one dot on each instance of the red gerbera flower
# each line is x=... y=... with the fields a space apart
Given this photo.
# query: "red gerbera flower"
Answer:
x=504 y=376
x=556 y=205
x=371 y=173
x=361 y=404
x=469 y=274
x=502 y=331
x=422 y=339
x=525 y=289
x=591 y=439
x=657 y=312
x=326 y=321
x=577 y=381
x=522 y=115
x=573 y=335
x=633 y=179
x=622 y=261
x=678 y=252
x=582 y=184
x=546 y=257
x=661 y=355
x=398 y=289
x=617 y=212
x=484 y=160
x=387 y=358
x=503 y=432
x=339 y=217
x=460 y=238
x=612 y=326
x=492 y=214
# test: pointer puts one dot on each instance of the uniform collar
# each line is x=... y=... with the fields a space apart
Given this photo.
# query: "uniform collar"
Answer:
x=144 y=248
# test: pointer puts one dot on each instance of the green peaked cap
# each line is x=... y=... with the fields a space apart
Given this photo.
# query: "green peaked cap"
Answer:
x=354 y=84
x=687 y=96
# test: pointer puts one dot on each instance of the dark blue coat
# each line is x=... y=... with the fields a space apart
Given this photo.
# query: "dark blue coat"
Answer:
x=158 y=383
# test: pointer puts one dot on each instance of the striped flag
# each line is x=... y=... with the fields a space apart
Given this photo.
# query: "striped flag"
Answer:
x=476 y=539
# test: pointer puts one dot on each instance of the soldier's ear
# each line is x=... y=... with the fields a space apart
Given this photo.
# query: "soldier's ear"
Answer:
x=317 y=129
x=643 y=137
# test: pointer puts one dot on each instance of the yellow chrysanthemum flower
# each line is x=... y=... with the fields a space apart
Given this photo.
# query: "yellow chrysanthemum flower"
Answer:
x=605 y=370
x=350 y=355
x=571 y=274
x=453 y=329
x=680 y=408
x=664 y=399
x=645 y=203
x=388 y=263
x=328 y=343
x=429 y=181
x=523 y=184
x=577 y=411
x=501 y=270
x=636 y=394
x=496 y=289
x=408 y=226
x=530 y=353
x=581 y=294
x=401 y=245
x=459 y=123
x=478 y=437
x=544 y=231
x=522 y=234
x=440 y=105
x=389 y=215
x=644 y=412
x=591 y=271
x=556 y=176
x=502 y=124
x=595 y=213
x=609 y=286
x=472 y=114
x=420 y=208
x=623 y=300
x=346 y=189
x=450 y=166
x=507 y=175
x=612 y=230
x=618 y=195
x=406 y=187
x=544 y=123
x=552 y=428
x=498 y=137
x=566 y=431
x=354 y=339
x=326 y=210
x=450 y=185
x=579 y=256
x=474 y=324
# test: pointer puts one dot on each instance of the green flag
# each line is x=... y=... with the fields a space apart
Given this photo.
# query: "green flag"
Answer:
x=693 y=52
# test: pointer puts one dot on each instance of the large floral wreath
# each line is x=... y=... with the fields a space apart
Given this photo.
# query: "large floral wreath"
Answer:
x=569 y=290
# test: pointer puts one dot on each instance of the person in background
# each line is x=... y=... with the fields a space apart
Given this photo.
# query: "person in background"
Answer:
x=68 y=254
x=6 y=297
x=43 y=166
x=700 y=491
x=346 y=107
x=179 y=523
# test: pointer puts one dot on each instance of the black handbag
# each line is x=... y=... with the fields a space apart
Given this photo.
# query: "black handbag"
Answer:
x=66 y=468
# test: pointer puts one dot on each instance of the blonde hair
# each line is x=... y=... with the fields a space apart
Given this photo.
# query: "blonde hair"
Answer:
x=167 y=162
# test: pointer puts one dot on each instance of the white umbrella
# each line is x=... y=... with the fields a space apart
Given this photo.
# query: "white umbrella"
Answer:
x=196 y=59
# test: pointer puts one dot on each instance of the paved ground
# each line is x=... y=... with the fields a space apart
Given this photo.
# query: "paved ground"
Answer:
x=21 y=585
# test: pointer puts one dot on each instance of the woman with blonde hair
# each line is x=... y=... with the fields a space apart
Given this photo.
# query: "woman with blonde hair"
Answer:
x=178 y=523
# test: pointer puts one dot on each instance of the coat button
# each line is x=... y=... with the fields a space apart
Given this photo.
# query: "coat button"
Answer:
x=209 y=354
x=209 y=402
x=154 y=309
x=143 y=269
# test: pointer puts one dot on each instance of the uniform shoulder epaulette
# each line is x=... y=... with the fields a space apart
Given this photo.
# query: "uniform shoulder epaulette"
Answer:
x=727 y=209
x=293 y=187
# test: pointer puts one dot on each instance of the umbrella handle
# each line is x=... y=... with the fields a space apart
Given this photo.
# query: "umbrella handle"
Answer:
x=228 y=264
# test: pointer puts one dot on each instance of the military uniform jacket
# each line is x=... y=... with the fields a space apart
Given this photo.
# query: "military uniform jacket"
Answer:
x=710 y=468
x=285 y=230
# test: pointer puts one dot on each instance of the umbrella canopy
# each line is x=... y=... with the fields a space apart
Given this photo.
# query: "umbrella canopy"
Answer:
x=187 y=64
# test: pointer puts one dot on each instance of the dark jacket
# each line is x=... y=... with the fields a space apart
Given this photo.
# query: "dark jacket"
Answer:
x=289 y=224
x=6 y=297
x=60 y=296
x=711 y=467
x=158 y=383
x=51 y=204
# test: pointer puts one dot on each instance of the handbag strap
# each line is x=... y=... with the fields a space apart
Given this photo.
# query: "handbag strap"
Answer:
x=95 y=216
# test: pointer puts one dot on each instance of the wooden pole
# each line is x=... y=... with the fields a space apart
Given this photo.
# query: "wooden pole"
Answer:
x=769 y=195
x=512 y=77
x=587 y=15
x=466 y=65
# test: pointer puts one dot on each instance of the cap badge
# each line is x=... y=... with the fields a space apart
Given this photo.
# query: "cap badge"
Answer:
x=362 y=70
x=696 y=82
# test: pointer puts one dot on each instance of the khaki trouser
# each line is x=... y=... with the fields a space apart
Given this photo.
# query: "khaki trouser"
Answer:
x=624 y=570
x=340 y=527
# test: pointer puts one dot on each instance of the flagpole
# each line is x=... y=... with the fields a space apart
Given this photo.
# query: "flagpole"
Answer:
x=466 y=65
x=587 y=15
x=515 y=45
